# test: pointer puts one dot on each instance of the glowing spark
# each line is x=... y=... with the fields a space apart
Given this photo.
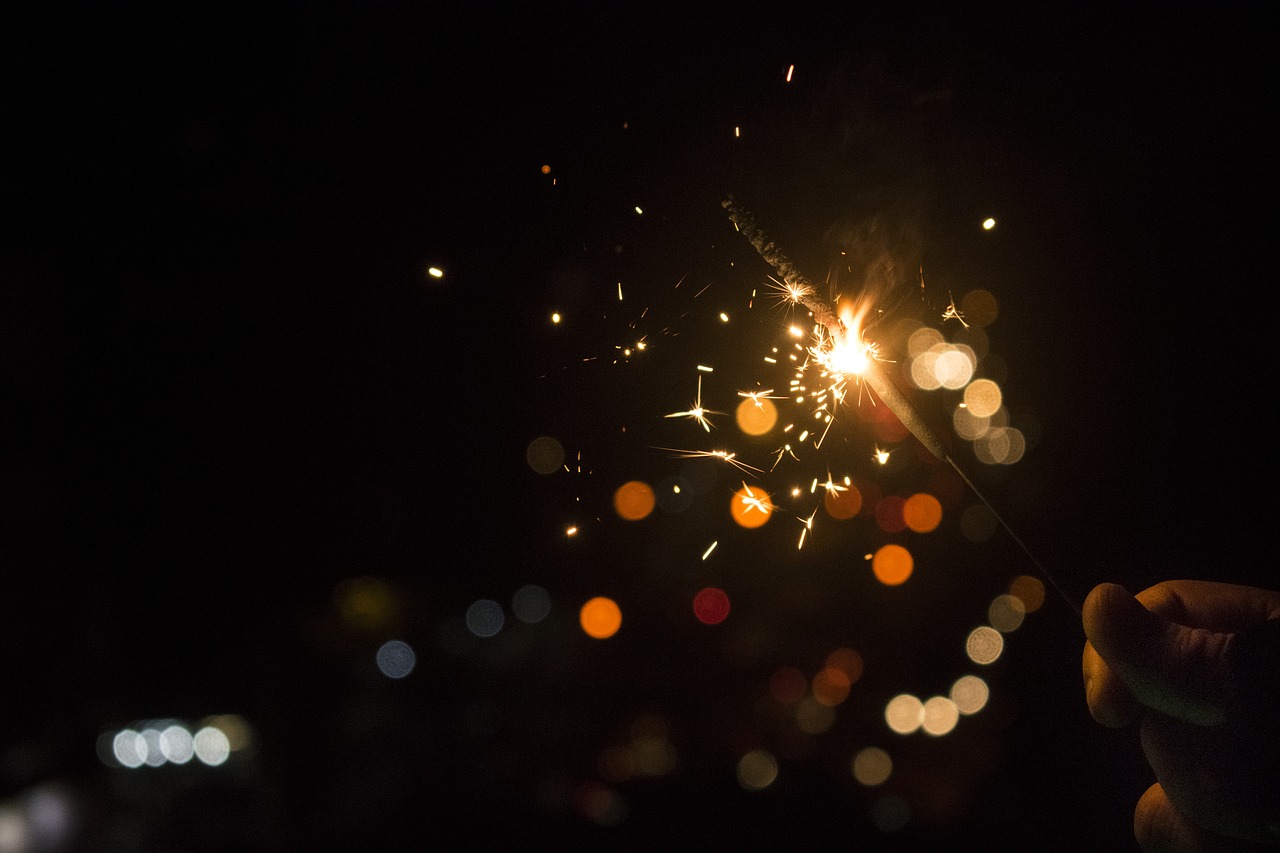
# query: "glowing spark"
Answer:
x=790 y=70
x=832 y=487
x=697 y=412
x=881 y=456
x=571 y=531
x=988 y=224
x=435 y=272
x=784 y=450
x=808 y=526
x=953 y=313
x=724 y=455
x=756 y=396
x=619 y=291
x=710 y=548
x=794 y=293
x=751 y=501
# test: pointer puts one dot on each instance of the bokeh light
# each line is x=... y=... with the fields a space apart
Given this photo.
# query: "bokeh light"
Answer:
x=711 y=606
x=757 y=770
x=787 y=685
x=756 y=416
x=531 y=603
x=1029 y=590
x=600 y=617
x=545 y=455
x=750 y=507
x=888 y=514
x=831 y=686
x=485 y=618
x=1000 y=446
x=939 y=716
x=967 y=425
x=843 y=504
x=396 y=659
x=983 y=398
x=922 y=512
x=814 y=717
x=848 y=661
x=1006 y=613
x=365 y=602
x=872 y=766
x=984 y=644
x=211 y=746
x=634 y=500
x=970 y=693
x=904 y=713
x=980 y=308
x=892 y=564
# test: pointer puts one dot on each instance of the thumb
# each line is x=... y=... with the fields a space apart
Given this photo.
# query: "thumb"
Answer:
x=1179 y=671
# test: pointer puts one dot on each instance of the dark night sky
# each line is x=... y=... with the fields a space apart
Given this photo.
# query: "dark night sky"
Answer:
x=241 y=390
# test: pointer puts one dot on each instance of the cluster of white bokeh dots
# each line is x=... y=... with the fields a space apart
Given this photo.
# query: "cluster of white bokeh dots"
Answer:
x=156 y=743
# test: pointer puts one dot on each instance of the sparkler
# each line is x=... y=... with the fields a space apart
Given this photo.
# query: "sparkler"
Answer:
x=844 y=352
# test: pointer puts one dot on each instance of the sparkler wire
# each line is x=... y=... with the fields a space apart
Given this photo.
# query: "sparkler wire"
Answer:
x=804 y=293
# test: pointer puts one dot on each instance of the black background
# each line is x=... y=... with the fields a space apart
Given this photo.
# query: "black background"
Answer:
x=236 y=388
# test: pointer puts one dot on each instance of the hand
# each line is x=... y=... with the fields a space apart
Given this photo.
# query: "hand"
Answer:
x=1197 y=663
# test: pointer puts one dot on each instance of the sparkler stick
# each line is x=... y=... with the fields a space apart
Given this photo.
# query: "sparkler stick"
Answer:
x=801 y=290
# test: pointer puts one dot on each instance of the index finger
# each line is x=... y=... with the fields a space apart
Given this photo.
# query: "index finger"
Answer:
x=1211 y=605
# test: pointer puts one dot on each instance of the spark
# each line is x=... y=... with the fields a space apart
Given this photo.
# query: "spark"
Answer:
x=697 y=412
x=710 y=548
x=784 y=450
x=881 y=456
x=751 y=501
x=793 y=293
x=808 y=526
x=953 y=313
x=727 y=456
x=831 y=486
x=756 y=396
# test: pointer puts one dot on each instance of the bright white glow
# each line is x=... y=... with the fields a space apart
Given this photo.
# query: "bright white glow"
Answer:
x=128 y=748
x=435 y=272
x=176 y=744
x=211 y=746
x=150 y=750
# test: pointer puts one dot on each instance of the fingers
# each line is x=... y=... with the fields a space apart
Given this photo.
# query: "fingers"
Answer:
x=1160 y=828
x=1110 y=702
x=1211 y=605
x=1179 y=671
